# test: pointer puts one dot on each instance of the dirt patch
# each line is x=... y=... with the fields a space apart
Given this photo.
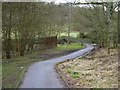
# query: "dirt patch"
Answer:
x=99 y=70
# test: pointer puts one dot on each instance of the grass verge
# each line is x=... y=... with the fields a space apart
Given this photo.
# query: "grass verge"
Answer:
x=73 y=46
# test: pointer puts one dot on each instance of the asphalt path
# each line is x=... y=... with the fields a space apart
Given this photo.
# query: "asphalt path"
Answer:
x=43 y=74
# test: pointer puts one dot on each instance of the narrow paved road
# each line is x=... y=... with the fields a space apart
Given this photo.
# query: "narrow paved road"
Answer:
x=43 y=75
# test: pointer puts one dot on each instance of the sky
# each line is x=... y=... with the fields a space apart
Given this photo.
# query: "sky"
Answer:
x=82 y=1
x=56 y=1
x=62 y=1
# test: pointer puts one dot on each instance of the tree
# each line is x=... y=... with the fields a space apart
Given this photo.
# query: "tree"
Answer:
x=7 y=24
x=101 y=15
x=24 y=23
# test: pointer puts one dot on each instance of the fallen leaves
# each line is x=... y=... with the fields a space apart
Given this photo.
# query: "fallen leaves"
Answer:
x=94 y=71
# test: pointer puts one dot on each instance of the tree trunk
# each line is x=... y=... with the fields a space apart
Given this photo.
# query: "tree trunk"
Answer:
x=118 y=23
x=8 y=40
x=109 y=22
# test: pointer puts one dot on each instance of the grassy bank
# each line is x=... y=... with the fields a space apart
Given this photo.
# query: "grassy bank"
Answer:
x=73 y=46
x=99 y=70
x=14 y=69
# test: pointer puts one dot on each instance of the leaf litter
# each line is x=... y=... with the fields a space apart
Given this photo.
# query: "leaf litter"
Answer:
x=99 y=70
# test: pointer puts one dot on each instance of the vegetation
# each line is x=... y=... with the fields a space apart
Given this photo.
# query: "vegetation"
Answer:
x=99 y=70
x=99 y=24
x=73 y=46
x=23 y=24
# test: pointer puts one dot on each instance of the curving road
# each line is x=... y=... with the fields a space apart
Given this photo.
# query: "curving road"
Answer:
x=43 y=75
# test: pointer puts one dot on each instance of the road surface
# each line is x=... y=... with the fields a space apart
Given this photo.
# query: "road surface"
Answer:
x=43 y=75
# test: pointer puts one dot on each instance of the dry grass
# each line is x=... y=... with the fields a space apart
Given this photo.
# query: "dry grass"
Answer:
x=99 y=70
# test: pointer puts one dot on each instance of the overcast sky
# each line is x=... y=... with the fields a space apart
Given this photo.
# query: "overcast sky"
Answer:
x=63 y=1
x=82 y=1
